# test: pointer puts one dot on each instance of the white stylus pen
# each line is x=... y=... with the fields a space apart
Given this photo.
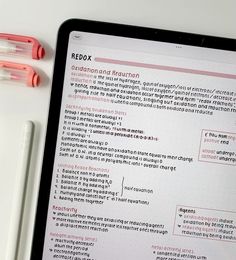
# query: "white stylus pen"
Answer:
x=20 y=192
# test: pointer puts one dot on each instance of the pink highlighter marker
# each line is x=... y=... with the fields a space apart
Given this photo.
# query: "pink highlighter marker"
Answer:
x=11 y=44
x=18 y=73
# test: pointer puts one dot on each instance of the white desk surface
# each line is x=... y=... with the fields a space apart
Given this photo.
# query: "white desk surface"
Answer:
x=41 y=19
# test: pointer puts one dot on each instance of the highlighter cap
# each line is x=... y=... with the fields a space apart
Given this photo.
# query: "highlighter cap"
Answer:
x=21 y=45
x=19 y=73
x=33 y=80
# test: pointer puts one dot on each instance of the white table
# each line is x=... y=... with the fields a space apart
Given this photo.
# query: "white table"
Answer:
x=41 y=19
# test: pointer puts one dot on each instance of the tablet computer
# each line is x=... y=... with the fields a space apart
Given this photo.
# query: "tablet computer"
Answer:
x=140 y=150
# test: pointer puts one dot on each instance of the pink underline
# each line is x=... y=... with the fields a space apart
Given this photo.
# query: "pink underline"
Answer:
x=168 y=68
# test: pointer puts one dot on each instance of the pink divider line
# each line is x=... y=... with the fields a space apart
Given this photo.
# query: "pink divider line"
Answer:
x=168 y=68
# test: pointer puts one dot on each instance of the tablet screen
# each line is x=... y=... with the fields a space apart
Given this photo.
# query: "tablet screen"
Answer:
x=145 y=153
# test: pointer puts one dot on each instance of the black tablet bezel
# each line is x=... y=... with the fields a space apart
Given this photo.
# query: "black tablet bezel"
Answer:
x=57 y=87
